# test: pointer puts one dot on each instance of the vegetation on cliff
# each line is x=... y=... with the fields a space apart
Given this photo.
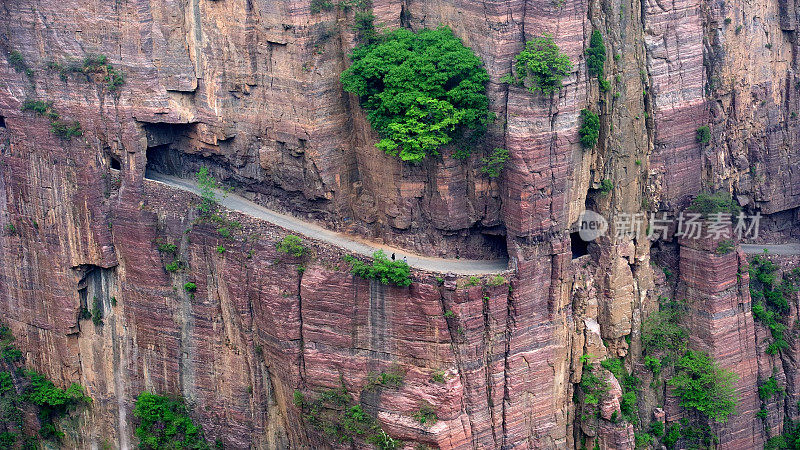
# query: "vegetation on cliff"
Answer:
x=541 y=66
x=17 y=62
x=291 y=245
x=24 y=391
x=95 y=67
x=420 y=91
x=334 y=414
x=698 y=381
x=589 y=131
x=716 y=203
x=382 y=269
x=62 y=129
x=770 y=298
x=163 y=422
x=493 y=164
x=704 y=386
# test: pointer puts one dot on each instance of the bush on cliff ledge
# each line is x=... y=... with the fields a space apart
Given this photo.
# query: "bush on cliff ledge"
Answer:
x=420 y=90
x=542 y=64
x=704 y=386
x=382 y=269
x=164 y=423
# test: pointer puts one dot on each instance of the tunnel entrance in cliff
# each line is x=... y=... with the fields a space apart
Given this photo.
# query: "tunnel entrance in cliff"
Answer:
x=97 y=291
x=578 y=245
x=163 y=143
x=174 y=149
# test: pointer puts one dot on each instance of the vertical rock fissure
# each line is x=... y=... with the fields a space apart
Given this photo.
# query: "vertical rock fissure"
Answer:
x=459 y=366
x=487 y=358
x=510 y=322
x=301 y=353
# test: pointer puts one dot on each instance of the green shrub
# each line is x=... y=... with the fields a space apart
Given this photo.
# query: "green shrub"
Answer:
x=420 y=90
x=596 y=54
x=364 y=27
x=390 y=379
x=589 y=131
x=221 y=249
x=167 y=248
x=224 y=232
x=494 y=163
x=334 y=414
x=207 y=185
x=497 y=280
x=606 y=186
x=291 y=245
x=653 y=364
x=605 y=85
x=40 y=107
x=97 y=312
x=593 y=387
x=318 y=6
x=17 y=62
x=174 y=266
x=769 y=389
x=703 y=386
x=61 y=128
x=8 y=351
x=769 y=298
x=657 y=428
x=426 y=415
x=642 y=440
x=725 y=246
x=449 y=314
x=704 y=134
x=66 y=130
x=438 y=376
x=190 y=287
x=10 y=228
x=383 y=441
x=98 y=64
x=382 y=269
x=719 y=202
x=662 y=331
x=673 y=434
x=543 y=64
x=163 y=422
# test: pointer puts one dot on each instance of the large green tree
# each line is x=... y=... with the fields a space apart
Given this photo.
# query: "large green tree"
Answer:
x=420 y=90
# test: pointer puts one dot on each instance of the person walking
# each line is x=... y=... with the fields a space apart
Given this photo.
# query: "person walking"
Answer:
x=392 y=256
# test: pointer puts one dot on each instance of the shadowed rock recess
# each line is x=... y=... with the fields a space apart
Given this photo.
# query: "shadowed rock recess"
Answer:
x=572 y=345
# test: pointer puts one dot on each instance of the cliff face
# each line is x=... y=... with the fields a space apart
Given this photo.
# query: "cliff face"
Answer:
x=251 y=89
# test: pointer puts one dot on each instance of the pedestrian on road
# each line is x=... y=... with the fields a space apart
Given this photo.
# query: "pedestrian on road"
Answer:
x=392 y=256
x=405 y=260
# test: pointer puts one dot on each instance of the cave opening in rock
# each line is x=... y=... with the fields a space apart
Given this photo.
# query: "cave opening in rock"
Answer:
x=115 y=164
x=162 y=159
x=2 y=122
x=497 y=244
x=578 y=245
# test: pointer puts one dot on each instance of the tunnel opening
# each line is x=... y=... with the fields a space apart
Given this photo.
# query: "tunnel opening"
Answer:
x=578 y=245
x=496 y=244
x=115 y=163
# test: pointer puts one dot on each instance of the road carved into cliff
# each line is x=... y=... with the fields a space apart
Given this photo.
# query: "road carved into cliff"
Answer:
x=772 y=249
x=347 y=242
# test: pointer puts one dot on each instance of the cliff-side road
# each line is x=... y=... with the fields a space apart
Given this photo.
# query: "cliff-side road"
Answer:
x=350 y=243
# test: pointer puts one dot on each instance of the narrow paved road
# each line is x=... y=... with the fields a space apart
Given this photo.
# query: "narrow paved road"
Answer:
x=350 y=243
x=772 y=249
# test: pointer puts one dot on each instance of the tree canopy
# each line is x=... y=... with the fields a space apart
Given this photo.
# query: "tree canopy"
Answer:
x=420 y=90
